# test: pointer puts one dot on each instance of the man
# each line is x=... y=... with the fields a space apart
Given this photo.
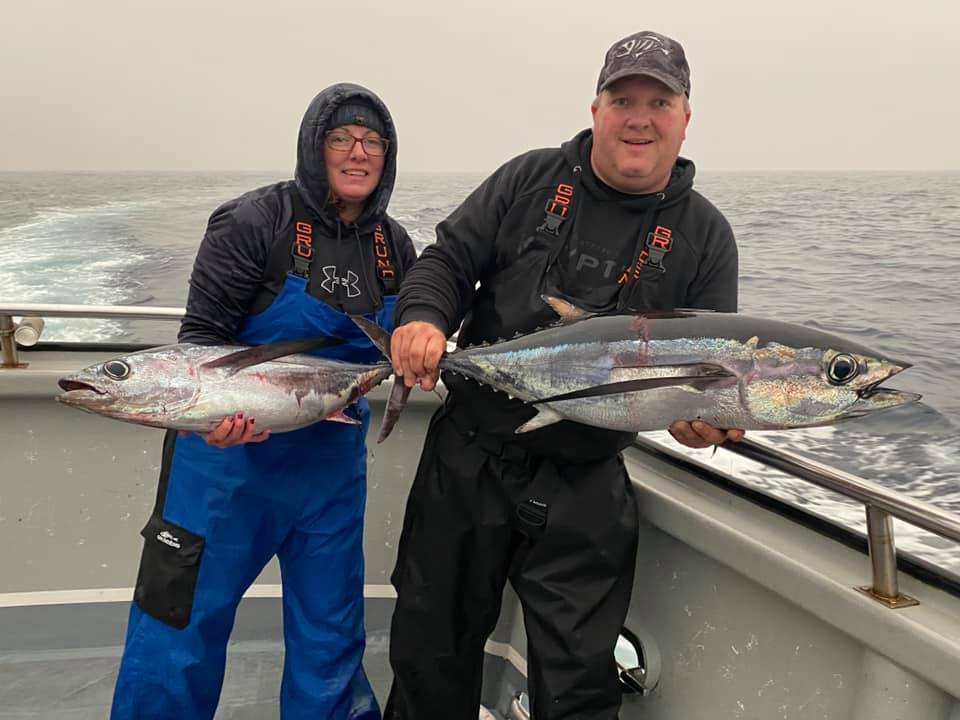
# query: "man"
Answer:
x=610 y=222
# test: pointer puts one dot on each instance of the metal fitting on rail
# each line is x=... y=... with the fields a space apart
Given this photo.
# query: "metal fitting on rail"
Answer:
x=8 y=345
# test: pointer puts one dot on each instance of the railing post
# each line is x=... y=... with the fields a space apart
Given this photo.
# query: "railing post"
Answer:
x=8 y=346
x=883 y=552
x=883 y=558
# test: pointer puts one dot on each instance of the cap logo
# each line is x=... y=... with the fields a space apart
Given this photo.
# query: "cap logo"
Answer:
x=640 y=45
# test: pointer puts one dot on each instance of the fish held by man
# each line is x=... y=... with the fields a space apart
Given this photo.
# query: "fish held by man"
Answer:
x=194 y=387
x=642 y=372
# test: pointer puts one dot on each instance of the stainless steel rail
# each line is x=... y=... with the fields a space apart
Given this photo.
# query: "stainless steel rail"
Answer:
x=130 y=312
x=8 y=346
x=880 y=503
x=916 y=512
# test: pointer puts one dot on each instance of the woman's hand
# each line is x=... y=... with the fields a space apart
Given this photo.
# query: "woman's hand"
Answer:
x=233 y=430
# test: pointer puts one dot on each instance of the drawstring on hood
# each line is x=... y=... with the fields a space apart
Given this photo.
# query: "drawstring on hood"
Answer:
x=311 y=172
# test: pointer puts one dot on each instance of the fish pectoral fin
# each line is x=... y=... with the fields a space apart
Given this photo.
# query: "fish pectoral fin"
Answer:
x=264 y=353
x=710 y=370
x=697 y=382
x=545 y=416
x=338 y=416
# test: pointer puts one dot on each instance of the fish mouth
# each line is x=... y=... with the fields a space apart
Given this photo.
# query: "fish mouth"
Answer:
x=78 y=393
x=889 y=396
x=873 y=389
x=865 y=393
x=71 y=385
x=874 y=398
x=880 y=400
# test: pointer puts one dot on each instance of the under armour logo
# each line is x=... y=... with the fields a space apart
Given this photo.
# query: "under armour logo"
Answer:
x=331 y=280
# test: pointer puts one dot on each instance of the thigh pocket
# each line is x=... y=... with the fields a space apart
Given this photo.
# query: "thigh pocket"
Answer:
x=168 y=572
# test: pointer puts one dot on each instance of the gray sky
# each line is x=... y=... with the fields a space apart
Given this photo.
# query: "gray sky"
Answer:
x=174 y=85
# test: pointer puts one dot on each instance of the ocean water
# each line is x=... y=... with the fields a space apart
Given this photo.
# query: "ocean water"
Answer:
x=870 y=256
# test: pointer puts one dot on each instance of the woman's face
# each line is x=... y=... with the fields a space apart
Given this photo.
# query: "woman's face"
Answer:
x=353 y=173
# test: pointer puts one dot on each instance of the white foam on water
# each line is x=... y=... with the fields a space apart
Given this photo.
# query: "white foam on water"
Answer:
x=84 y=255
x=421 y=237
x=878 y=454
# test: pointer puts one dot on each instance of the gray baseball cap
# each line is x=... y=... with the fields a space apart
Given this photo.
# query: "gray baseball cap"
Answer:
x=647 y=53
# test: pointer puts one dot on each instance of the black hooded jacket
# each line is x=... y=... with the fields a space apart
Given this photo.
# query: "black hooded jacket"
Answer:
x=246 y=251
x=543 y=223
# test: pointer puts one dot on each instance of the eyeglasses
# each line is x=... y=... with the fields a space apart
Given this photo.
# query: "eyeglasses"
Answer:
x=344 y=142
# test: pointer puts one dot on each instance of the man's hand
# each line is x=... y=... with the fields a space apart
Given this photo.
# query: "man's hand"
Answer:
x=698 y=434
x=415 y=350
x=233 y=430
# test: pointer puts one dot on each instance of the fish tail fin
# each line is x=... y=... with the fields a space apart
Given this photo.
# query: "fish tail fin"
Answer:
x=378 y=336
x=399 y=393
x=396 y=402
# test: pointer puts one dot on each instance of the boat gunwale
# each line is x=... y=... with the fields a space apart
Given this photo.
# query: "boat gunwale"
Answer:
x=873 y=496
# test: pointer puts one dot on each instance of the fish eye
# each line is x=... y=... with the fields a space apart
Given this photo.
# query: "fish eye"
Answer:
x=116 y=369
x=842 y=369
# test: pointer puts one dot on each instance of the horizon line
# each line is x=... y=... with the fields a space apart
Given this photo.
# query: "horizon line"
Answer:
x=288 y=174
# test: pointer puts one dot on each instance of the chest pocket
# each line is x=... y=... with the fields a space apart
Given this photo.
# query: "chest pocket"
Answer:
x=361 y=290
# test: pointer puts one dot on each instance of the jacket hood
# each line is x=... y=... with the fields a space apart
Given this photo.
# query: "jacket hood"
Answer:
x=576 y=151
x=311 y=173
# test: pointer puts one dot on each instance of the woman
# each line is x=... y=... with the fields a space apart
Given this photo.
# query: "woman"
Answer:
x=286 y=261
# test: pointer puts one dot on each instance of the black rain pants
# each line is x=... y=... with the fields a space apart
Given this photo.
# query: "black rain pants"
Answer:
x=481 y=512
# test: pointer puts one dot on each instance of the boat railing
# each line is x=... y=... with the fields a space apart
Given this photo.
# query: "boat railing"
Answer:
x=9 y=357
x=881 y=504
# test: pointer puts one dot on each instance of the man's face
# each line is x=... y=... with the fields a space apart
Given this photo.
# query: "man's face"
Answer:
x=639 y=125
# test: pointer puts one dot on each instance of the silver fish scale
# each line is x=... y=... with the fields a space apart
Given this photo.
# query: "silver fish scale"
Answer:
x=541 y=372
x=656 y=409
x=733 y=378
x=170 y=387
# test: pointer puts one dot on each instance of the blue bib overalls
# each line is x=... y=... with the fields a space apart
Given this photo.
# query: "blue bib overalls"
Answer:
x=222 y=514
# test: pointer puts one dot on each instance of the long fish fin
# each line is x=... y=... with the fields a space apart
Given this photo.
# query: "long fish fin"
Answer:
x=264 y=353
x=545 y=416
x=698 y=382
x=396 y=402
x=568 y=312
x=378 y=336
x=695 y=369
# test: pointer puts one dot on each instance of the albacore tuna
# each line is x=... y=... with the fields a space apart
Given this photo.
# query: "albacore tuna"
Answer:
x=194 y=387
x=642 y=372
